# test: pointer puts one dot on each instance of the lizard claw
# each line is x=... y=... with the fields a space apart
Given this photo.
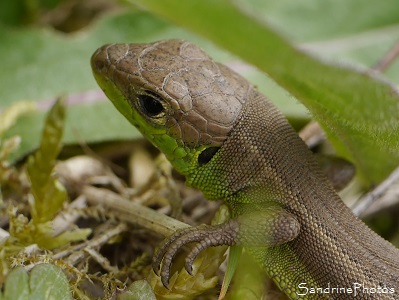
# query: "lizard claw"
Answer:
x=205 y=236
x=193 y=255
x=163 y=248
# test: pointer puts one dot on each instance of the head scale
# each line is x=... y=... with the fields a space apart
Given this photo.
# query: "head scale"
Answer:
x=179 y=98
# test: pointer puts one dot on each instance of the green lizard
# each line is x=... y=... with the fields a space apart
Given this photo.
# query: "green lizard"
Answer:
x=234 y=145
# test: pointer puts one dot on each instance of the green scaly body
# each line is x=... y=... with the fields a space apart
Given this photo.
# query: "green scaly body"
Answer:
x=234 y=145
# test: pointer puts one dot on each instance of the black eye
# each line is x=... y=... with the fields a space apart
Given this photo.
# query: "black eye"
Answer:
x=206 y=155
x=151 y=103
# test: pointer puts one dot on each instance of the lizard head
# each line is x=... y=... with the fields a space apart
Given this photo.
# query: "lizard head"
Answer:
x=181 y=100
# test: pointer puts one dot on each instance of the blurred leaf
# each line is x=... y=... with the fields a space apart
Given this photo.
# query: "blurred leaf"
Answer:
x=45 y=281
x=138 y=290
x=297 y=20
x=49 y=195
x=12 y=113
x=354 y=31
x=13 y=12
x=43 y=235
x=17 y=285
x=49 y=282
x=7 y=170
x=35 y=58
x=232 y=263
x=250 y=281
x=359 y=113
x=19 y=12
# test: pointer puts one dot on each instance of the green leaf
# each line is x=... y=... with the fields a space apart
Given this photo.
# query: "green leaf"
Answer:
x=359 y=113
x=234 y=258
x=17 y=285
x=12 y=113
x=33 y=73
x=250 y=282
x=45 y=281
x=43 y=235
x=41 y=65
x=49 y=195
x=138 y=290
x=49 y=282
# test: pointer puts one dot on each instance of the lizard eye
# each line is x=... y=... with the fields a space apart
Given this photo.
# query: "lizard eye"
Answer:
x=151 y=104
x=206 y=155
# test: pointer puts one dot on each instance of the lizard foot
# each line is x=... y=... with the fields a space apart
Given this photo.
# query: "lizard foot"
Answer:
x=266 y=228
x=204 y=235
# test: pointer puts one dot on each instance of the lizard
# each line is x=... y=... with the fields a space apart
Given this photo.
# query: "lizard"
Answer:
x=233 y=144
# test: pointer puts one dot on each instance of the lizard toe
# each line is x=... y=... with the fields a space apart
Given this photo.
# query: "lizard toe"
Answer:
x=163 y=258
x=204 y=235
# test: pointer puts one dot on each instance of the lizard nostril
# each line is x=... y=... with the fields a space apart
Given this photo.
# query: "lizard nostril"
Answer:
x=99 y=59
x=98 y=63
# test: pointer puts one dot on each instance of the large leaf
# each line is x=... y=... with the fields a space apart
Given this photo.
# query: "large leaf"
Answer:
x=45 y=281
x=359 y=113
x=41 y=64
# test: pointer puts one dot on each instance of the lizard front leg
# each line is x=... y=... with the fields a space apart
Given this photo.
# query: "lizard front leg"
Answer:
x=267 y=228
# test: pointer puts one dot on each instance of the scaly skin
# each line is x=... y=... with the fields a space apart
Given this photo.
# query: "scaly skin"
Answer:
x=234 y=145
